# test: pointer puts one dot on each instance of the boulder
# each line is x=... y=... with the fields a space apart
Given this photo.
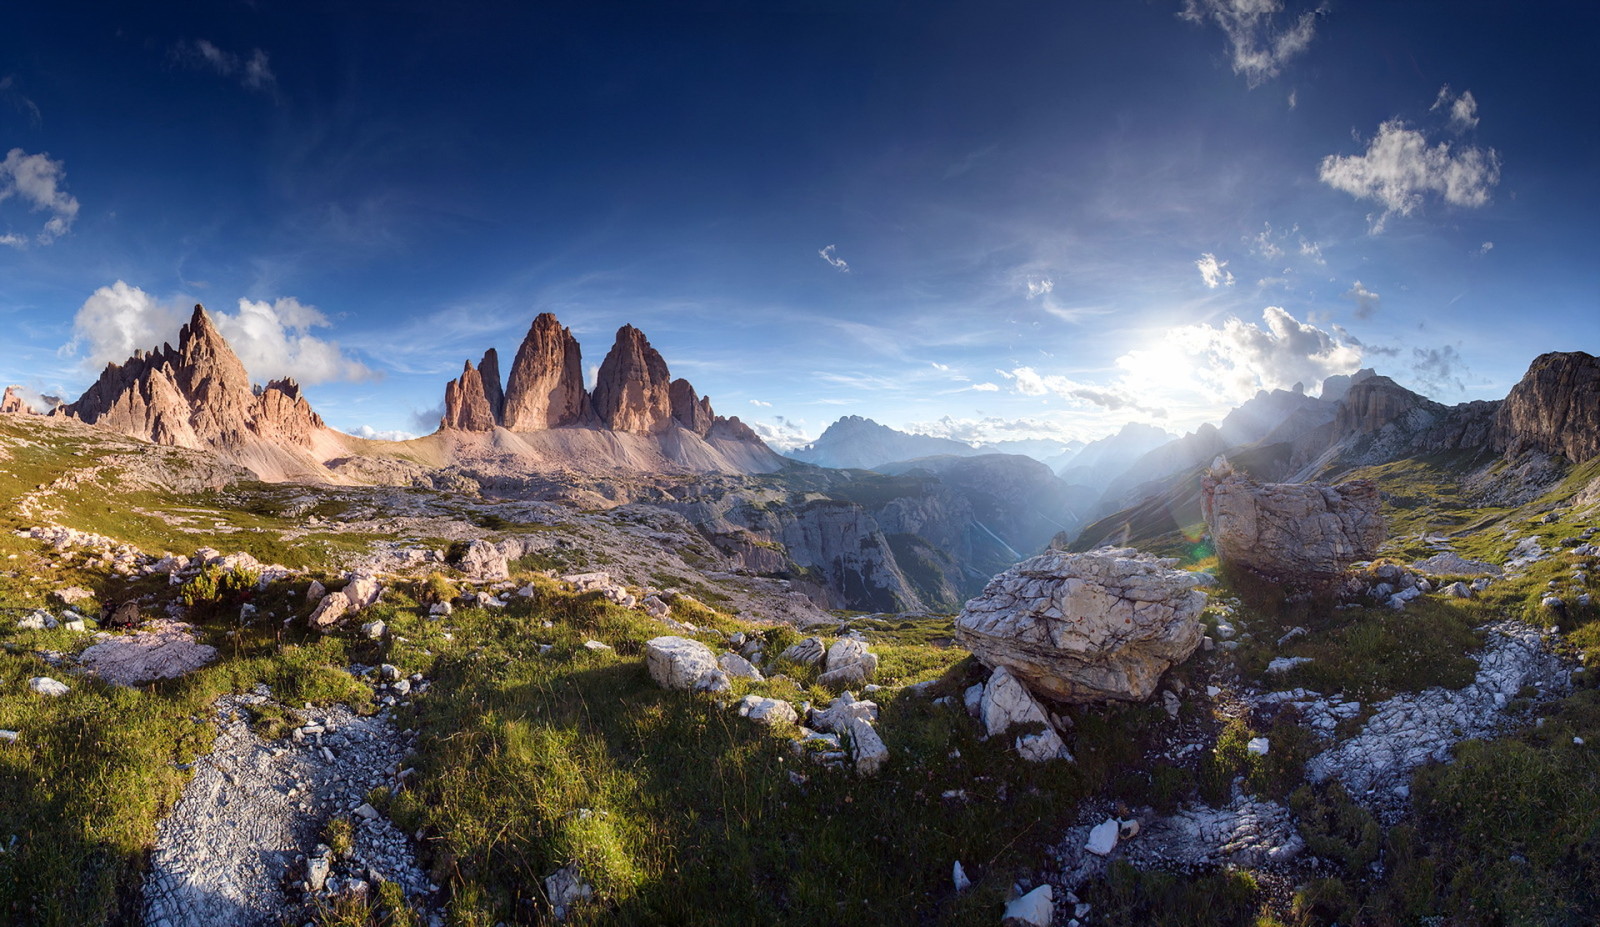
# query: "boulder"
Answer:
x=334 y=605
x=867 y=749
x=1086 y=627
x=1296 y=531
x=767 y=710
x=315 y=592
x=164 y=650
x=738 y=667
x=679 y=662
x=838 y=715
x=484 y=560
x=125 y=615
x=1103 y=837
x=1005 y=703
x=848 y=664
x=806 y=653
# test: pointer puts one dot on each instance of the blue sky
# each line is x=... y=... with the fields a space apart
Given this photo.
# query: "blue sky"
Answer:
x=981 y=220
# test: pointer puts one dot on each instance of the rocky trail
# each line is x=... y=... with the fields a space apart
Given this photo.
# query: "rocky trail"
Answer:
x=241 y=846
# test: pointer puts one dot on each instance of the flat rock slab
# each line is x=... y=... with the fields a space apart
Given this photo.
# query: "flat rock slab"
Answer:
x=228 y=849
x=163 y=650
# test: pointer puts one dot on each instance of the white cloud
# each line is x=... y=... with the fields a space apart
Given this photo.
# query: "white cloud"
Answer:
x=1485 y=248
x=1259 y=44
x=1040 y=287
x=254 y=72
x=785 y=434
x=942 y=368
x=1366 y=301
x=1312 y=251
x=1399 y=168
x=992 y=430
x=1265 y=245
x=37 y=180
x=374 y=434
x=1234 y=360
x=272 y=340
x=827 y=255
x=1293 y=98
x=764 y=405
x=1030 y=382
x=985 y=387
x=1462 y=110
x=119 y=319
x=1211 y=271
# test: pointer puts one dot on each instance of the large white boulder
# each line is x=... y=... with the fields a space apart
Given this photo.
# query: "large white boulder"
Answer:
x=1086 y=627
x=679 y=662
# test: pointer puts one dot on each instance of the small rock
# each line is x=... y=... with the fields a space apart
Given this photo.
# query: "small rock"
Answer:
x=8 y=737
x=1103 y=838
x=44 y=685
x=1258 y=746
x=738 y=667
x=366 y=812
x=374 y=630
x=596 y=646
x=440 y=609
x=1035 y=909
x=867 y=747
x=959 y=877
x=564 y=889
x=767 y=710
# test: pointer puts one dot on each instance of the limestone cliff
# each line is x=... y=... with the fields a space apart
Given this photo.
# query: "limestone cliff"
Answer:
x=12 y=403
x=632 y=392
x=546 y=385
x=1555 y=408
x=466 y=407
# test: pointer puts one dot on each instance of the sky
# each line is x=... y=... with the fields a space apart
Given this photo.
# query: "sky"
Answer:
x=979 y=220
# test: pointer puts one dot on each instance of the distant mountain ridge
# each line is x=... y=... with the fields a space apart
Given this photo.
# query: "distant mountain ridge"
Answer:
x=857 y=443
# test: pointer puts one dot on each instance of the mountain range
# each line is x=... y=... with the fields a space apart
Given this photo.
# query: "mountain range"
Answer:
x=864 y=517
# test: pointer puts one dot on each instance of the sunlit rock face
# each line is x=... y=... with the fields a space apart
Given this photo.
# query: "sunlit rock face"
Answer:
x=1294 y=531
x=546 y=385
x=197 y=395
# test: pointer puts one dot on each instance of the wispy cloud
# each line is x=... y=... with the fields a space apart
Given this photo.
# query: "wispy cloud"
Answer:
x=253 y=71
x=1438 y=370
x=1462 y=110
x=764 y=405
x=1029 y=382
x=785 y=434
x=1260 y=40
x=37 y=180
x=10 y=94
x=985 y=388
x=1040 y=286
x=1400 y=168
x=827 y=254
x=1366 y=301
x=1212 y=272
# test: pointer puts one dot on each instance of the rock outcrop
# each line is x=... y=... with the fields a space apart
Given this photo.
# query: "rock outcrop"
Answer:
x=12 y=403
x=691 y=411
x=197 y=395
x=489 y=372
x=633 y=390
x=1007 y=703
x=1555 y=408
x=1086 y=627
x=546 y=385
x=466 y=407
x=1295 y=531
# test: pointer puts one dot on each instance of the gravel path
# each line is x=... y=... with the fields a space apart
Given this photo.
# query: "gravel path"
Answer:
x=234 y=848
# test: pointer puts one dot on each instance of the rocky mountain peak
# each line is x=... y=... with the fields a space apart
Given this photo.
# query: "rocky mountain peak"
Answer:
x=691 y=411
x=198 y=395
x=545 y=389
x=466 y=407
x=489 y=371
x=1555 y=408
x=12 y=403
x=633 y=391
x=1374 y=402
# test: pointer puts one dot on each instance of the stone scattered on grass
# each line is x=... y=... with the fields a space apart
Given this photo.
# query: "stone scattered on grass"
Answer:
x=565 y=888
x=1258 y=746
x=1035 y=909
x=44 y=685
x=767 y=710
x=1103 y=838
